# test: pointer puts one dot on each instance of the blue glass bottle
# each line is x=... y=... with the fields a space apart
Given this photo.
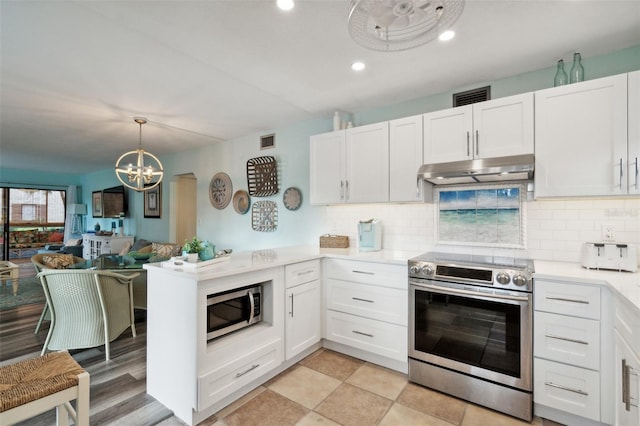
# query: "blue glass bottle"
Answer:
x=576 y=74
x=561 y=76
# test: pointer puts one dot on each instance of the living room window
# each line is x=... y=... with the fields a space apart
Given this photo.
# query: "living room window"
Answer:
x=31 y=218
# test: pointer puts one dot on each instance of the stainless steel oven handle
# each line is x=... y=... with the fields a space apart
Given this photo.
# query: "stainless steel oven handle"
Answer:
x=578 y=391
x=473 y=293
x=251 y=306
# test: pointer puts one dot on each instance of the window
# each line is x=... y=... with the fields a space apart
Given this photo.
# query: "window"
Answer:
x=36 y=207
x=487 y=215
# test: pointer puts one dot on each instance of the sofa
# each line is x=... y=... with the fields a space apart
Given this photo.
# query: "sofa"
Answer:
x=24 y=243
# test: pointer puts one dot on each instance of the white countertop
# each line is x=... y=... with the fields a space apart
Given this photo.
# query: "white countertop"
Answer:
x=256 y=260
x=625 y=284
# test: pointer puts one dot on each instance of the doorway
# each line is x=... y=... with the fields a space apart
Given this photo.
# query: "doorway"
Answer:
x=185 y=204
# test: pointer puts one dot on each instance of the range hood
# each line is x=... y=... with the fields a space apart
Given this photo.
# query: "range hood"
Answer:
x=516 y=167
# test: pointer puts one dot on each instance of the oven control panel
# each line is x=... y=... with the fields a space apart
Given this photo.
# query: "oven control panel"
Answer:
x=495 y=277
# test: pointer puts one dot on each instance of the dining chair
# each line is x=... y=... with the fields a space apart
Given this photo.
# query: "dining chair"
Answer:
x=88 y=308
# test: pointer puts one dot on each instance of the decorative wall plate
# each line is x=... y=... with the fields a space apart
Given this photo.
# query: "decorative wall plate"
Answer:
x=220 y=190
x=262 y=176
x=241 y=202
x=264 y=216
x=292 y=198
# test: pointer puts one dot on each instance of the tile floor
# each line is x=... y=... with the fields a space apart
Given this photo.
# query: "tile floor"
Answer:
x=328 y=388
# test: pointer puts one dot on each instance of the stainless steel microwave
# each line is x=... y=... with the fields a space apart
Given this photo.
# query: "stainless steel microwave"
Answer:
x=233 y=310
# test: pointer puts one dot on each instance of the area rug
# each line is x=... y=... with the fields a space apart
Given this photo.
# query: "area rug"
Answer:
x=29 y=292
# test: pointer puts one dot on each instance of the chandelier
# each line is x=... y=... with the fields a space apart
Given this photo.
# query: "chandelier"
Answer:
x=146 y=173
x=392 y=25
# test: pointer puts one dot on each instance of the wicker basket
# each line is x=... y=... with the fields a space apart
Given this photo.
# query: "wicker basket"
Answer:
x=334 y=241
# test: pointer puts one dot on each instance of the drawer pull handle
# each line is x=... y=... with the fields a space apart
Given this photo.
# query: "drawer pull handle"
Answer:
x=253 y=367
x=310 y=271
x=363 y=272
x=362 y=300
x=562 y=299
x=581 y=342
x=578 y=391
x=362 y=334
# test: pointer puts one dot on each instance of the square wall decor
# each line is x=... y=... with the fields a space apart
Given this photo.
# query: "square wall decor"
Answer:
x=489 y=215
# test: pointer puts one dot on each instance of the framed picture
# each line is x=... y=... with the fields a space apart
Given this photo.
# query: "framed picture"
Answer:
x=96 y=203
x=152 y=202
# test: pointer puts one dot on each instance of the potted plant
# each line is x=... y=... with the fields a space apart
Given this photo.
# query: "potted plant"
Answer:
x=192 y=248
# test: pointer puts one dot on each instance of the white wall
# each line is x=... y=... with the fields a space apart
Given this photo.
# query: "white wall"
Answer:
x=556 y=229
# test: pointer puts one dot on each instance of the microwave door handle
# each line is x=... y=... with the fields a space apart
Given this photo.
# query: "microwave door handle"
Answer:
x=251 y=306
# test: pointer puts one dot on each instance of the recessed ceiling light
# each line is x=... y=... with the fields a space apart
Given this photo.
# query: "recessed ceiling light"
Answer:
x=447 y=35
x=285 y=4
x=358 y=66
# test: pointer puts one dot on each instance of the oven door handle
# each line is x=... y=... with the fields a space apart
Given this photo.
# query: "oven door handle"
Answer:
x=252 y=305
x=473 y=293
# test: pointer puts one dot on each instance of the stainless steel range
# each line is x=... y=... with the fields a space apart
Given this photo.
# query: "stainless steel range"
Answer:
x=470 y=329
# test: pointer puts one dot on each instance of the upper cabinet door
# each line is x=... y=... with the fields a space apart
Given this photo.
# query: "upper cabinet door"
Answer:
x=405 y=158
x=633 y=177
x=326 y=163
x=503 y=127
x=448 y=135
x=581 y=138
x=367 y=163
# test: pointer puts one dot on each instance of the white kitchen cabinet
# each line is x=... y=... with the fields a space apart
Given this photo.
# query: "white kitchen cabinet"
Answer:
x=303 y=307
x=581 y=139
x=366 y=311
x=350 y=166
x=572 y=352
x=327 y=168
x=95 y=245
x=627 y=395
x=405 y=158
x=495 y=128
x=627 y=363
x=367 y=163
x=633 y=167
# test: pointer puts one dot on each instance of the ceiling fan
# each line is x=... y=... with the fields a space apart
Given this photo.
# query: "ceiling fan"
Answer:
x=391 y=25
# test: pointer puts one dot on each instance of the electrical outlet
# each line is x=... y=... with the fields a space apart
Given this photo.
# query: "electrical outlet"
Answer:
x=607 y=232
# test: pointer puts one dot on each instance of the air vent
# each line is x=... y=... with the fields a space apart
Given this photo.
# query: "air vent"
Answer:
x=268 y=141
x=472 y=96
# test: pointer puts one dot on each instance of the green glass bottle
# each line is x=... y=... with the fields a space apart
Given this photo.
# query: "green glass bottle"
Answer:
x=576 y=74
x=561 y=77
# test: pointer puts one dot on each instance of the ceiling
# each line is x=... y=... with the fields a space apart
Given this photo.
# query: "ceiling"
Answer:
x=75 y=73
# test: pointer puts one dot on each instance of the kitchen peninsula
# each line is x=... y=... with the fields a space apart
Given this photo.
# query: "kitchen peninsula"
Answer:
x=195 y=378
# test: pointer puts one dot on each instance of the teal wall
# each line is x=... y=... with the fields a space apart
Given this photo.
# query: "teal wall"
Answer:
x=226 y=228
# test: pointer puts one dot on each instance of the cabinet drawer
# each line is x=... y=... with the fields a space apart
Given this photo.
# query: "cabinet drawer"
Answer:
x=627 y=323
x=571 y=389
x=379 y=303
x=373 y=336
x=566 y=339
x=567 y=299
x=220 y=382
x=300 y=273
x=380 y=274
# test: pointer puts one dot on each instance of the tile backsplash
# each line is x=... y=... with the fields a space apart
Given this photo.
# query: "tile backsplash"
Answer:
x=556 y=229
